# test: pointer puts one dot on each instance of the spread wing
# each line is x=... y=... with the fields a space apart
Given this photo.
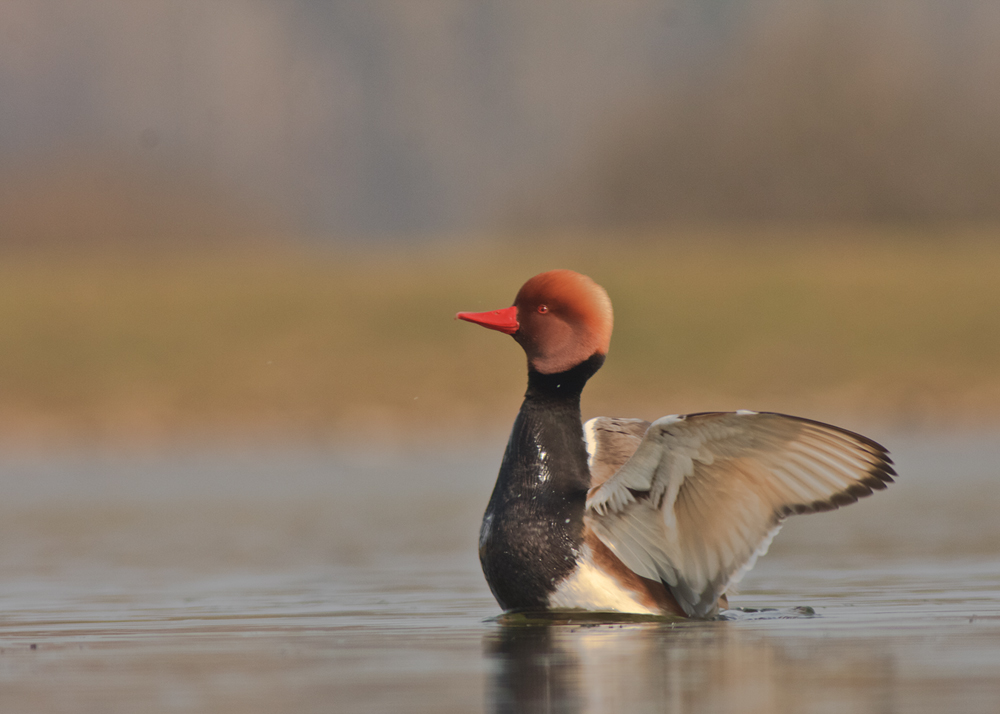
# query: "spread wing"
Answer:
x=703 y=494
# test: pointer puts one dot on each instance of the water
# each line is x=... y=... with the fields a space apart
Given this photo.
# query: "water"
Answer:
x=305 y=580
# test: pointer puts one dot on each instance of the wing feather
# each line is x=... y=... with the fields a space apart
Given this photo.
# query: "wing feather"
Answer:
x=702 y=495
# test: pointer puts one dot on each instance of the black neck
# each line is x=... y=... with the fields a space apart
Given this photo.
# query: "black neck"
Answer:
x=548 y=433
x=535 y=517
x=563 y=385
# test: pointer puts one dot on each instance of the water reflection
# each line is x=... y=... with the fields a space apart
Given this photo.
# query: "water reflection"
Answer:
x=532 y=671
x=687 y=668
x=292 y=581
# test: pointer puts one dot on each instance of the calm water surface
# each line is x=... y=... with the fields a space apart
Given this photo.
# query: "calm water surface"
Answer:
x=308 y=580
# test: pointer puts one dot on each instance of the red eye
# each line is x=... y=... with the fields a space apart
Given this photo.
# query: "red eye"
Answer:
x=543 y=309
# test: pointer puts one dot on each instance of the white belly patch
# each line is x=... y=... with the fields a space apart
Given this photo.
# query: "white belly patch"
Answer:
x=590 y=588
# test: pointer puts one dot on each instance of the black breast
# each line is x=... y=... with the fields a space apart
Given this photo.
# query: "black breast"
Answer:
x=533 y=527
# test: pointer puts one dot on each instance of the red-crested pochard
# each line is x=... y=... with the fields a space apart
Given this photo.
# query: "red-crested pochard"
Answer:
x=623 y=515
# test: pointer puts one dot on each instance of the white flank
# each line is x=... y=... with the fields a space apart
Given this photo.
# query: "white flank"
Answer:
x=590 y=588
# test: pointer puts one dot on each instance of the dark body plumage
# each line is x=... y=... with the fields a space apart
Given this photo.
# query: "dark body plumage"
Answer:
x=533 y=526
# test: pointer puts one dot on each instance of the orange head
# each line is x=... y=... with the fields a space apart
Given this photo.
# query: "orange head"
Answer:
x=560 y=318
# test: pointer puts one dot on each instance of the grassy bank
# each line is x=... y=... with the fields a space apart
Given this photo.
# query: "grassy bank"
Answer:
x=870 y=324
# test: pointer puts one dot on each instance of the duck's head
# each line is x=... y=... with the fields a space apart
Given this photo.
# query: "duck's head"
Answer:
x=560 y=318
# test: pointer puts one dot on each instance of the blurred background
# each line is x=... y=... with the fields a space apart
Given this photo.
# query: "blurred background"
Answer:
x=250 y=219
x=245 y=446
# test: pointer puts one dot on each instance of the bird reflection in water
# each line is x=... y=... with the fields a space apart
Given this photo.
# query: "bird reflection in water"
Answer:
x=532 y=672
x=687 y=668
x=590 y=666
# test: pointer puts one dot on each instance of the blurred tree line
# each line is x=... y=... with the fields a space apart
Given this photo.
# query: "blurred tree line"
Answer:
x=885 y=111
x=373 y=117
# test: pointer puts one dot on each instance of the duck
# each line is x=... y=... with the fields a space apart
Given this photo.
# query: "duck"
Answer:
x=623 y=515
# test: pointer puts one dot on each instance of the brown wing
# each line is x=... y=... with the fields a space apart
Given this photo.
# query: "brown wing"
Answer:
x=704 y=493
x=610 y=442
